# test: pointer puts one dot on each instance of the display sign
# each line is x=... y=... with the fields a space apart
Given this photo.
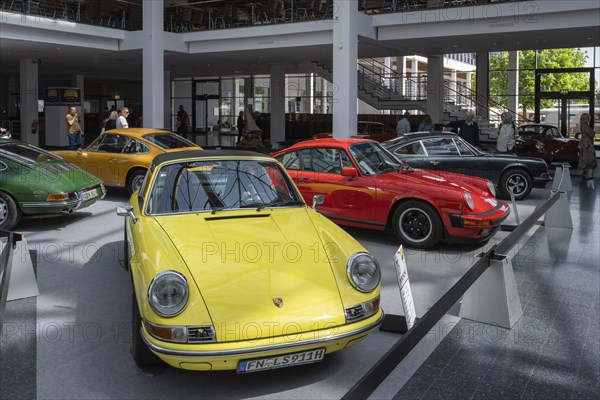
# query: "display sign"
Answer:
x=70 y=97
x=53 y=96
x=405 y=293
x=63 y=96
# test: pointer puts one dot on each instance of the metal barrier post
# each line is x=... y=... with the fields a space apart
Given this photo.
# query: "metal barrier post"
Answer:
x=494 y=299
x=564 y=183
x=559 y=215
x=513 y=203
x=6 y=254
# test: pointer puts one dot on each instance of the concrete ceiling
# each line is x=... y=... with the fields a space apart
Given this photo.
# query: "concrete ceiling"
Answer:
x=67 y=61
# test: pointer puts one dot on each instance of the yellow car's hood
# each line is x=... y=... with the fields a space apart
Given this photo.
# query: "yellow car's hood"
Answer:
x=261 y=273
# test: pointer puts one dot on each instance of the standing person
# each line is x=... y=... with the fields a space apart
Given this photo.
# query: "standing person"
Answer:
x=506 y=133
x=468 y=129
x=587 y=153
x=183 y=121
x=74 y=130
x=102 y=118
x=132 y=119
x=427 y=124
x=122 y=120
x=111 y=122
x=257 y=119
x=241 y=125
x=403 y=125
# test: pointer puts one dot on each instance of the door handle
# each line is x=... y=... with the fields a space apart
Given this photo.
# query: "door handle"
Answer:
x=303 y=180
x=434 y=162
x=112 y=160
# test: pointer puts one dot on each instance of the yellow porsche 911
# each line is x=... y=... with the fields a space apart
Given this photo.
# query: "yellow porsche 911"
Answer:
x=120 y=157
x=232 y=271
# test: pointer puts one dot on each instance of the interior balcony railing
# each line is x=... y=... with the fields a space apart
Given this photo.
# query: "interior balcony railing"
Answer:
x=126 y=15
x=186 y=16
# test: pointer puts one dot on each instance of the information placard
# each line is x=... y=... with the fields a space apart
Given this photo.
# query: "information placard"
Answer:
x=405 y=293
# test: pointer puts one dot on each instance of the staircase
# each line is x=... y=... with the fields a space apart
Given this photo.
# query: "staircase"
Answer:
x=383 y=88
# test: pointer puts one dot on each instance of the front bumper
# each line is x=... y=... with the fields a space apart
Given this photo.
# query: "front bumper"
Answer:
x=226 y=356
x=476 y=227
x=65 y=206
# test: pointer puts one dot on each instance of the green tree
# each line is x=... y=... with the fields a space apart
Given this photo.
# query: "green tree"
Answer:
x=552 y=58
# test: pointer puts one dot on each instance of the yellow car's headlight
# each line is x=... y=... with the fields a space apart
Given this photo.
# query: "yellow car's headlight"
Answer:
x=168 y=293
x=363 y=272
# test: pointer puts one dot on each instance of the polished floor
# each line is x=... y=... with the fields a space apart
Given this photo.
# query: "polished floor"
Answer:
x=553 y=352
x=73 y=341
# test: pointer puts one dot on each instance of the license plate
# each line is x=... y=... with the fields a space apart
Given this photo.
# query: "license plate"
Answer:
x=288 y=360
x=89 y=194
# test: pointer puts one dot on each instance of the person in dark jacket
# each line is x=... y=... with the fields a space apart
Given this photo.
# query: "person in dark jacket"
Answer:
x=468 y=129
x=111 y=122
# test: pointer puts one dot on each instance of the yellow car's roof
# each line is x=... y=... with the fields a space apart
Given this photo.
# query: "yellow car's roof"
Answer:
x=187 y=154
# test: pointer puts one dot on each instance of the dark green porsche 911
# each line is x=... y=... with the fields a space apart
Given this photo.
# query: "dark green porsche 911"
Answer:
x=34 y=181
x=445 y=151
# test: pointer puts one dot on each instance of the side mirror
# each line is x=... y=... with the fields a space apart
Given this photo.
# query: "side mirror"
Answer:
x=349 y=171
x=318 y=199
x=80 y=151
x=126 y=211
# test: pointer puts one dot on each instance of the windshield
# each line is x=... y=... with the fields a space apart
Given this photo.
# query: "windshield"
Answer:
x=27 y=154
x=534 y=130
x=373 y=159
x=211 y=185
x=168 y=140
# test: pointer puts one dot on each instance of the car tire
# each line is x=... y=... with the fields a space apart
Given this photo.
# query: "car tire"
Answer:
x=135 y=179
x=417 y=224
x=10 y=214
x=517 y=180
x=142 y=355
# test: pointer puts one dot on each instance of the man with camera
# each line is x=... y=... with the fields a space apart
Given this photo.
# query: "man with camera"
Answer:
x=74 y=130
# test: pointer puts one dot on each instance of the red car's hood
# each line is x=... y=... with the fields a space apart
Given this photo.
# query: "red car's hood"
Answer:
x=437 y=180
x=566 y=141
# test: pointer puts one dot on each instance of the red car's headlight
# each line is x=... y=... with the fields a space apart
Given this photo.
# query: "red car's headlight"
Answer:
x=469 y=200
x=492 y=188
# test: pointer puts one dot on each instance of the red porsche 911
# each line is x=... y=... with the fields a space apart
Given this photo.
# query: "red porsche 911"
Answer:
x=365 y=186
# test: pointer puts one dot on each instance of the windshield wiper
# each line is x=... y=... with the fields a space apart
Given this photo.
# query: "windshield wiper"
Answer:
x=284 y=203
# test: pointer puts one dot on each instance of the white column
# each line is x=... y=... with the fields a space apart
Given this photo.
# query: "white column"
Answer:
x=307 y=100
x=326 y=109
x=388 y=66
x=79 y=83
x=416 y=92
x=153 y=65
x=400 y=84
x=278 y=104
x=482 y=85
x=435 y=87
x=345 y=54
x=454 y=87
x=167 y=106
x=469 y=86
x=513 y=83
x=28 y=94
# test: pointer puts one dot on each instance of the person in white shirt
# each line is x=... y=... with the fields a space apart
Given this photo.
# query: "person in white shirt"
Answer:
x=122 y=120
x=403 y=125
x=506 y=133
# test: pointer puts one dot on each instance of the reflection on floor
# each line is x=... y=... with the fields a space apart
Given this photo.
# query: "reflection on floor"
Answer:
x=554 y=350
